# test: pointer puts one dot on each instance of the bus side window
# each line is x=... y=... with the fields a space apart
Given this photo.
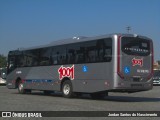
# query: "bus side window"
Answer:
x=54 y=56
x=100 y=50
x=91 y=56
x=29 y=61
x=108 y=55
x=108 y=50
x=44 y=56
x=71 y=52
x=104 y=50
x=101 y=53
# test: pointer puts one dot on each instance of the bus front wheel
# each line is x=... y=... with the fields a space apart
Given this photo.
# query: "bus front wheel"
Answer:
x=21 y=89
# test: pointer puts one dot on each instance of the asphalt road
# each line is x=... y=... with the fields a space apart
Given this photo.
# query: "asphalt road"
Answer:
x=10 y=100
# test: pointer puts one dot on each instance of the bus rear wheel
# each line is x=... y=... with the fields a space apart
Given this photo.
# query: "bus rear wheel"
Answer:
x=67 y=89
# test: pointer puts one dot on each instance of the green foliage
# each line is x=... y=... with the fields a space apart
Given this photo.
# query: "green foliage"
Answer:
x=3 y=61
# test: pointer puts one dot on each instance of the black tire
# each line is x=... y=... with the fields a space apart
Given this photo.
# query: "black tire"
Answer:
x=67 y=89
x=21 y=89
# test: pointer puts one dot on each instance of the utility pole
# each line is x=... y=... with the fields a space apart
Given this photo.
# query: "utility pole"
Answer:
x=128 y=28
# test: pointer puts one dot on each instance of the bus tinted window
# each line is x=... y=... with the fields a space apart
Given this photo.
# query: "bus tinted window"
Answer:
x=104 y=50
x=59 y=55
x=75 y=53
x=45 y=56
x=31 y=57
x=90 y=51
x=135 y=46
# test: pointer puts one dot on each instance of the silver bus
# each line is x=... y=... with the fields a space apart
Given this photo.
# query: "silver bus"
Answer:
x=94 y=65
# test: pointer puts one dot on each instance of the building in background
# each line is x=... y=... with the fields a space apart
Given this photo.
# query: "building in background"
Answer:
x=156 y=65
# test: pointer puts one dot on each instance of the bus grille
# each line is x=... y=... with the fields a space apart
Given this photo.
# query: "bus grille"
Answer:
x=136 y=79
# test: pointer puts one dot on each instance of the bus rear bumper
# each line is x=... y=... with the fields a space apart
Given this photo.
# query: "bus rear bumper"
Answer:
x=132 y=87
x=128 y=90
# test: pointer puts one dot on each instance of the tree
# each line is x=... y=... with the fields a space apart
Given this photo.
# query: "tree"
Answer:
x=3 y=61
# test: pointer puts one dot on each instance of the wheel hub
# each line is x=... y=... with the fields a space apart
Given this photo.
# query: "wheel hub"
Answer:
x=66 y=89
x=20 y=87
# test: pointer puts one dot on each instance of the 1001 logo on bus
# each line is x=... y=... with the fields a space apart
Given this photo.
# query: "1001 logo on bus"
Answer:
x=66 y=72
x=137 y=62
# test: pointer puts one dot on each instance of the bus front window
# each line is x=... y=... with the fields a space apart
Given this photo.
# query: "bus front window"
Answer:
x=11 y=64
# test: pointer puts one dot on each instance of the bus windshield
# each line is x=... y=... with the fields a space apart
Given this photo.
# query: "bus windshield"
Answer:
x=135 y=46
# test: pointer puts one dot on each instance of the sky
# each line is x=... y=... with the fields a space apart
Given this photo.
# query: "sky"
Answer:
x=27 y=23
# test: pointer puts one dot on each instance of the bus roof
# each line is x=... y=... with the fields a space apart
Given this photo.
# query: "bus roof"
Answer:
x=79 y=39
